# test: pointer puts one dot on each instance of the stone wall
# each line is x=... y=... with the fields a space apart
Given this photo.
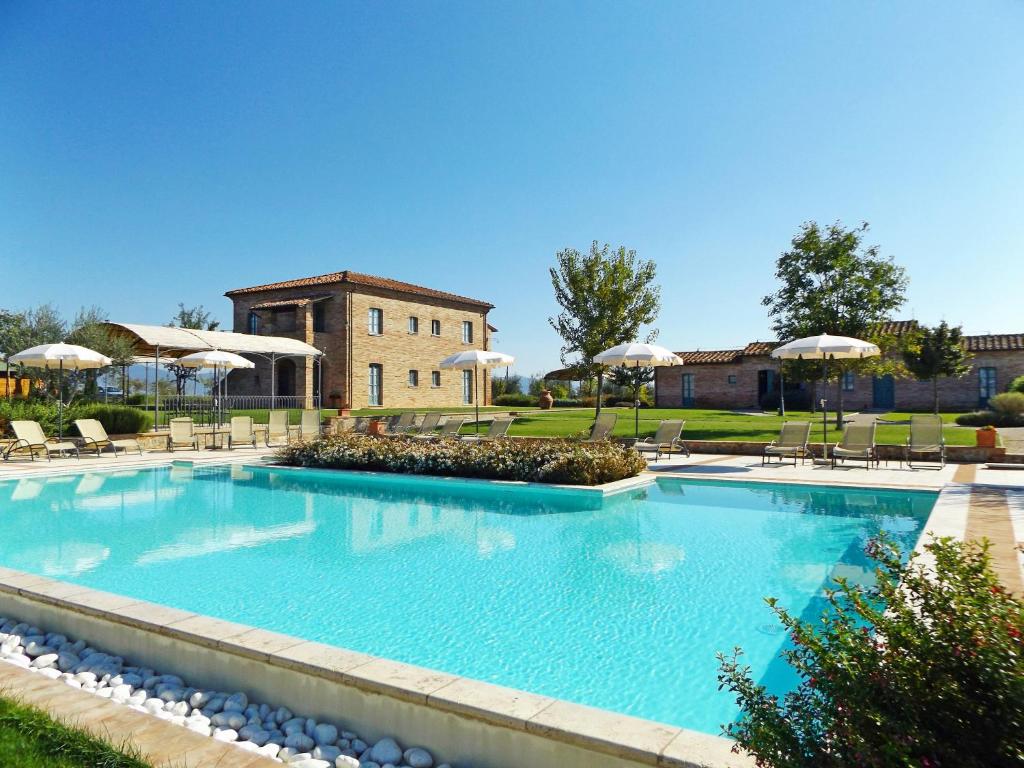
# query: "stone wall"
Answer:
x=349 y=348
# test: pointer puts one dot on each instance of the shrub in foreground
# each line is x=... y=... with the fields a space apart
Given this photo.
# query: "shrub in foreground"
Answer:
x=515 y=398
x=923 y=669
x=547 y=461
x=116 y=419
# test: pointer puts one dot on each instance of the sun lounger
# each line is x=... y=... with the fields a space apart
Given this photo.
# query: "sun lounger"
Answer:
x=403 y=423
x=498 y=430
x=29 y=436
x=95 y=438
x=310 y=426
x=277 y=428
x=183 y=434
x=450 y=428
x=242 y=432
x=428 y=425
x=793 y=441
x=602 y=428
x=858 y=443
x=925 y=437
x=667 y=438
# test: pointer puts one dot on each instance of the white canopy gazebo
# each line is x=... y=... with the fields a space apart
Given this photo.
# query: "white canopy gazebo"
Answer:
x=165 y=344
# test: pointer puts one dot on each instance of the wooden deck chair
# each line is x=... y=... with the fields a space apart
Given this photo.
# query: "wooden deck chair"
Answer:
x=29 y=436
x=602 y=428
x=925 y=437
x=792 y=441
x=241 y=432
x=858 y=443
x=95 y=438
x=667 y=438
x=183 y=434
x=277 y=427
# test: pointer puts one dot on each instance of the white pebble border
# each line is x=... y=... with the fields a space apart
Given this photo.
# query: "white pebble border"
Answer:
x=276 y=733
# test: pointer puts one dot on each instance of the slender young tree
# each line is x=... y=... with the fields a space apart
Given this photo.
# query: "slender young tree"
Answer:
x=87 y=331
x=606 y=297
x=933 y=352
x=199 y=319
x=830 y=282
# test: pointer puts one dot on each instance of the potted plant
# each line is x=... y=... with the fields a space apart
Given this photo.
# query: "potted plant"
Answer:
x=986 y=437
x=375 y=427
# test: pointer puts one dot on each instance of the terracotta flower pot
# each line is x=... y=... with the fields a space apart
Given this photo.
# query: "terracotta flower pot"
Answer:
x=375 y=427
x=986 y=438
x=545 y=401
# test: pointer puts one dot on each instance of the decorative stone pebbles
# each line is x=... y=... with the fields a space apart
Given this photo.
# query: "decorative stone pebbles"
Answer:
x=276 y=733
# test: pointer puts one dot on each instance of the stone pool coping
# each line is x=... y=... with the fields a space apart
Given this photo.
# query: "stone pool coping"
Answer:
x=563 y=733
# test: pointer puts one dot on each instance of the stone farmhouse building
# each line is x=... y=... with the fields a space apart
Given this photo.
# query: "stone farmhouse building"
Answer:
x=382 y=341
x=740 y=378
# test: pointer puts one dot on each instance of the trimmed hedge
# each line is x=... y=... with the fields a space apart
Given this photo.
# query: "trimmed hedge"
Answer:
x=515 y=399
x=548 y=461
x=116 y=419
x=989 y=419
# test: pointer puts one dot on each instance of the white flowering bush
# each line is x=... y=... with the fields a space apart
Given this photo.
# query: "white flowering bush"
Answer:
x=548 y=461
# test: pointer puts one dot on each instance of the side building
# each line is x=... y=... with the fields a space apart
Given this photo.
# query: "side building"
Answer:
x=741 y=378
x=382 y=341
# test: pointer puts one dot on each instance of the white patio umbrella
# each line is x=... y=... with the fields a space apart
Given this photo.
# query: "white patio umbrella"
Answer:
x=826 y=347
x=216 y=359
x=640 y=355
x=61 y=357
x=474 y=360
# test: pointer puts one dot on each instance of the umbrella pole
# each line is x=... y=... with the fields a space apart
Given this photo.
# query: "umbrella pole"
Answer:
x=636 y=399
x=476 y=395
x=60 y=402
x=824 y=408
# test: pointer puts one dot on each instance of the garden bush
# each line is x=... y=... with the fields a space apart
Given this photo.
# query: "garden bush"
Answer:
x=537 y=461
x=516 y=398
x=1011 y=403
x=989 y=419
x=1017 y=385
x=568 y=403
x=923 y=668
x=116 y=419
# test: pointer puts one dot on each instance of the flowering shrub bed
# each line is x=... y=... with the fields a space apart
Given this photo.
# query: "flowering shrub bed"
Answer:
x=549 y=461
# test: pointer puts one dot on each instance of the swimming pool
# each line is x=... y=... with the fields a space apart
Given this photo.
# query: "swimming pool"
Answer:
x=618 y=603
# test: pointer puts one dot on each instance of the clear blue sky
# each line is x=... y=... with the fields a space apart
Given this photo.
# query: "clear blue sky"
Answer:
x=152 y=153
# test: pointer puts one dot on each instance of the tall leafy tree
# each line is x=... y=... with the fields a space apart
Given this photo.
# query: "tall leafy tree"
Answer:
x=87 y=331
x=934 y=352
x=831 y=282
x=196 y=318
x=632 y=378
x=606 y=297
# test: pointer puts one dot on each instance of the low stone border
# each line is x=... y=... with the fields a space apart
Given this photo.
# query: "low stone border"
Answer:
x=273 y=732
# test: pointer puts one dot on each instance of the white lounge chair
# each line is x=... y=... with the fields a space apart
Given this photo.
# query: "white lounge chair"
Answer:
x=602 y=428
x=428 y=425
x=450 y=428
x=95 y=438
x=404 y=423
x=183 y=434
x=29 y=436
x=242 y=432
x=277 y=427
x=497 y=431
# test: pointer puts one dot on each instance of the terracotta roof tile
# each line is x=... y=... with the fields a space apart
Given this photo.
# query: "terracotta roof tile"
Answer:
x=999 y=342
x=356 y=278
x=894 y=327
x=295 y=301
x=711 y=356
x=760 y=347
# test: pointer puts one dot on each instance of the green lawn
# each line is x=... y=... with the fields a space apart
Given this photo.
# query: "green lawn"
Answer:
x=705 y=424
x=30 y=739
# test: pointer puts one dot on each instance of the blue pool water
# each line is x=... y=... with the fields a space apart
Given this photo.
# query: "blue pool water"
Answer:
x=620 y=603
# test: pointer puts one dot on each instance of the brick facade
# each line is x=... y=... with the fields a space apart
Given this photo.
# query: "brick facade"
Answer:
x=733 y=379
x=343 y=304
